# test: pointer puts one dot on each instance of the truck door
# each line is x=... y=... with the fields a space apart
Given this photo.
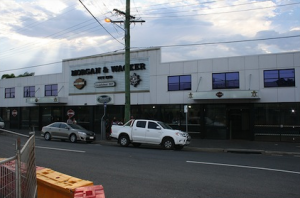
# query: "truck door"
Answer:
x=153 y=133
x=139 y=131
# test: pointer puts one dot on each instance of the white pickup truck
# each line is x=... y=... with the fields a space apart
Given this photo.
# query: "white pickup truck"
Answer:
x=141 y=131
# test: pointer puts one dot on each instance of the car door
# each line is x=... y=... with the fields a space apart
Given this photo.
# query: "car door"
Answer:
x=153 y=133
x=54 y=129
x=139 y=131
x=64 y=131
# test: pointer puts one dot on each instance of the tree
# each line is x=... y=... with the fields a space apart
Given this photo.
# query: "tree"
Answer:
x=13 y=75
x=26 y=74
x=8 y=76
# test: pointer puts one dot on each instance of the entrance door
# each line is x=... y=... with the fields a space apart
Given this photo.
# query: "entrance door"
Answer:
x=239 y=124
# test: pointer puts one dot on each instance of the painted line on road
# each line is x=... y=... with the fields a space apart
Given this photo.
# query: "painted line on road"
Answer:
x=240 y=166
x=59 y=149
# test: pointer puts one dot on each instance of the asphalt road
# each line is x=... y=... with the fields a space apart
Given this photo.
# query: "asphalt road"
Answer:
x=152 y=172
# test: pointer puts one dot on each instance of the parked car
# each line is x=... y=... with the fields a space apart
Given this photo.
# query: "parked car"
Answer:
x=2 y=124
x=64 y=131
x=137 y=132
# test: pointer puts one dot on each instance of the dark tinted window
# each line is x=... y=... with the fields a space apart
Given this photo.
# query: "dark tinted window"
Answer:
x=152 y=125
x=176 y=83
x=51 y=90
x=29 y=91
x=226 y=80
x=9 y=92
x=279 y=78
x=63 y=126
x=141 y=124
x=55 y=125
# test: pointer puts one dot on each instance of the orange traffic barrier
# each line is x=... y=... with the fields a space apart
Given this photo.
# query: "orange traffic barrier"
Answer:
x=54 y=184
x=96 y=191
x=39 y=168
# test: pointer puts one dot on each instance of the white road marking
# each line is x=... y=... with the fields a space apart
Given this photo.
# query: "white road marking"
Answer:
x=59 y=149
x=240 y=166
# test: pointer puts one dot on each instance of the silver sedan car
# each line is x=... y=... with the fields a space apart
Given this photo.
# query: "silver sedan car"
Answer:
x=64 y=131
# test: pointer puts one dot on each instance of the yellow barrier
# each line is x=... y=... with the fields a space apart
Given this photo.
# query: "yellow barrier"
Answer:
x=54 y=184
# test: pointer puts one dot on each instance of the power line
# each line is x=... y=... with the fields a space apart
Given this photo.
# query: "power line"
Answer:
x=166 y=46
x=42 y=65
x=180 y=16
x=30 y=44
x=224 y=42
x=188 y=5
x=100 y=23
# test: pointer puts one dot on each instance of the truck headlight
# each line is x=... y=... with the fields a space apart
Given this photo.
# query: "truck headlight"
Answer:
x=180 y=134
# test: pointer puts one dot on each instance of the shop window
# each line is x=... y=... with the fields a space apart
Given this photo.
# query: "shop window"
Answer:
x=51 y=90
x=176 y=83
x=286 y=114
x=279 y=78
x=29 y=91
x=225 y=80
x=10 y=92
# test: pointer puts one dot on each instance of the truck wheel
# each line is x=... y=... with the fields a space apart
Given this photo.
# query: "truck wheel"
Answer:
x=124 y=140
x=168 y=143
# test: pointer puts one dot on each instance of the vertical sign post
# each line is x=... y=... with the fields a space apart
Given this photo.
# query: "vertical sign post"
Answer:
x=103 y=127
x=186 y=117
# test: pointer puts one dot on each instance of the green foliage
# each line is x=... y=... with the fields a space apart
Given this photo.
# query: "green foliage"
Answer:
x=13 y=75
x=8 y=76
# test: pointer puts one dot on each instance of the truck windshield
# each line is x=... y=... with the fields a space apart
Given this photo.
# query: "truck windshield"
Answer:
x=164 y=125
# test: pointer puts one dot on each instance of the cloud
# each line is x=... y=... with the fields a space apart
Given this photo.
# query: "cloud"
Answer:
x=39 y=32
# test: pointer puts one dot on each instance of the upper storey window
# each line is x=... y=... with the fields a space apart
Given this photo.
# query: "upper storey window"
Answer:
x=279 y=78
x=176 y=83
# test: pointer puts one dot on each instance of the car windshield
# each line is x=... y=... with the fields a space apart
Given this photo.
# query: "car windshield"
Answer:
x=76 y=126
x=164 y=125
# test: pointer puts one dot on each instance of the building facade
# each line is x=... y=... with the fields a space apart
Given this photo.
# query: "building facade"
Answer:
x=253 y=97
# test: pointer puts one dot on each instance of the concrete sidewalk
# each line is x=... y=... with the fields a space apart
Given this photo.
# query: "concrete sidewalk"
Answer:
x=234 y=146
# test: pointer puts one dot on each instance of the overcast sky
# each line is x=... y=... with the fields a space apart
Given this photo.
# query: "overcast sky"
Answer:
x=37 y=35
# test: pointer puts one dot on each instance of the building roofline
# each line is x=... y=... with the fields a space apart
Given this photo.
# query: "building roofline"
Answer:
x=116 y=52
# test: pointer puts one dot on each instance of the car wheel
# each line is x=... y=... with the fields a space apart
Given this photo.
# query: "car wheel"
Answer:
x=136 y=144
x=124 y=140
x=73 y=138
x=168 y=143
x=178 y=147
x=47 y=136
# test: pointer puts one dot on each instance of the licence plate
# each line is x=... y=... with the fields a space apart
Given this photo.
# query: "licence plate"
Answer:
x=91 y=137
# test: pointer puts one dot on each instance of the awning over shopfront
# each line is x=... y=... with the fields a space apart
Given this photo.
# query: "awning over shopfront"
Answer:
x=226 y=94
x=49 y=100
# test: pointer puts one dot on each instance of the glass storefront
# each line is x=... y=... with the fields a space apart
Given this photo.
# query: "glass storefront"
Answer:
x=278 y=122
x=211 y=121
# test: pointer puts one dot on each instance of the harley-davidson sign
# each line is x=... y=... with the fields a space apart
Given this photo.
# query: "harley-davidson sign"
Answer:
x=79 y=83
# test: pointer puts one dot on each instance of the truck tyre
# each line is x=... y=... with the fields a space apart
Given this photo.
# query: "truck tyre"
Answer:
x=168 y=143
x=124 y=140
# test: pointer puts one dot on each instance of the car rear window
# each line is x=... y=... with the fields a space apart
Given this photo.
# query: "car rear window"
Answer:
x=141 y=124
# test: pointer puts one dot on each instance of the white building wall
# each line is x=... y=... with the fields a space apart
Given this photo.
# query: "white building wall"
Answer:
x=155 y=84
x=38 y=81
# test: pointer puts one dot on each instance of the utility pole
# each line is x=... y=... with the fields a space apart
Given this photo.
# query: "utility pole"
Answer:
x=128 y=20
x=127 y=62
